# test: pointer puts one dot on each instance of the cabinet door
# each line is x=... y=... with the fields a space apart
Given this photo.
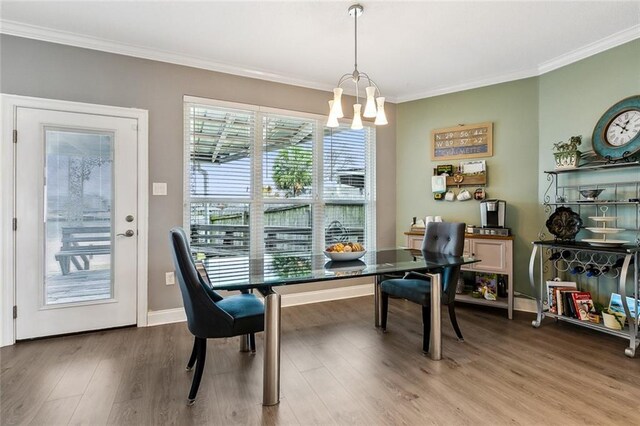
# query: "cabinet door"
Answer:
x=492 y=255
x=414 y=241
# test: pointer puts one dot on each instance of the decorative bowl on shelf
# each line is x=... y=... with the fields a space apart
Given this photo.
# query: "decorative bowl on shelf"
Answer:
x=591 y=194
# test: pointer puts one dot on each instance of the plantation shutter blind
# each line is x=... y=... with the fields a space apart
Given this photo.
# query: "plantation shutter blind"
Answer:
x=346 y=171
x=287 y=182
x=220 y=181
x=260 y=181
x=220 y=152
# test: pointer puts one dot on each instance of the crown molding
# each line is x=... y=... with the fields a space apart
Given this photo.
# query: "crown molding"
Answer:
x=609 y=42
x=489 y=81
x=584 y=52
x=20 y=29
x=72 y=39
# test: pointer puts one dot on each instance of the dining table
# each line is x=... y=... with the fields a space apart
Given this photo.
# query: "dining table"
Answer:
x=267 y=272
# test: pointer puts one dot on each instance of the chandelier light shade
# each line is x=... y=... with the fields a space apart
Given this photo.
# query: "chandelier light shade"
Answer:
x=333 y=120
x=374 y=106
x=381 y=117
x=356 y=124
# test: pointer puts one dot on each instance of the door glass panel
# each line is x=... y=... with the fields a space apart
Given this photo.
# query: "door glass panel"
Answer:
x=78 y=204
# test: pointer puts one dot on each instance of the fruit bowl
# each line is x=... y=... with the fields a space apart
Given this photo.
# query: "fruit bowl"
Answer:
x=591 y=194
x=343 y=256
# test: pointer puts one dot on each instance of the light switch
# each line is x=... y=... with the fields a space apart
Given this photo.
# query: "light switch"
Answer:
x=159 y=188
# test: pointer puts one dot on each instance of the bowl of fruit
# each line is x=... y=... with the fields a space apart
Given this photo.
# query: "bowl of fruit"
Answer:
x=345 y=251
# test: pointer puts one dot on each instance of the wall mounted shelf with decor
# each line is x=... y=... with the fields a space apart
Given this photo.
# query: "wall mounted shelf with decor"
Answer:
x=467 y=180
x=467 y=173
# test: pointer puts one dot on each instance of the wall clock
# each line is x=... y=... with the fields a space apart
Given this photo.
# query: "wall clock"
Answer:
x=617 y=133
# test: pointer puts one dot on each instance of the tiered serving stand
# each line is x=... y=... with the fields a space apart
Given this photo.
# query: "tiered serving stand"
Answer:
x=604 y=230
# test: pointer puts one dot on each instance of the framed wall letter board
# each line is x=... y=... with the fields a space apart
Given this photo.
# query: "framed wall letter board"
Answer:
x=470 y=141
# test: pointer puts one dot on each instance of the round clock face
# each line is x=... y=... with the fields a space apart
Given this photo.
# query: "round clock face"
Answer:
x=623 y=128
x=617 y=133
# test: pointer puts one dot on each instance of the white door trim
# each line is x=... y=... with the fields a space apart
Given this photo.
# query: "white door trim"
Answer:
x=7 y=199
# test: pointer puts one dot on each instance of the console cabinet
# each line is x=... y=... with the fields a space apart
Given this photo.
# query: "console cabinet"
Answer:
x=496 y=257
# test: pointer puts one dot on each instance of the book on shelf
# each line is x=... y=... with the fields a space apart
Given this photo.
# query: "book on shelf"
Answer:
x=583 y=304
x=569 y=309
x=558 y=300
x=552 y=286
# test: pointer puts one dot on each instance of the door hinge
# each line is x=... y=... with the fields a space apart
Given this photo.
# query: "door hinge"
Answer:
x=15 y=223
x=15 y=136
x=15 y=312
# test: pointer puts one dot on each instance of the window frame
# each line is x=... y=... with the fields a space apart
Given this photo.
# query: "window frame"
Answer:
x=257 y=202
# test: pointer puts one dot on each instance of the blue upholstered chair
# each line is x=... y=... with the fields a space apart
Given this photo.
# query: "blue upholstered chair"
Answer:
x=209 y=315
x=443 y=238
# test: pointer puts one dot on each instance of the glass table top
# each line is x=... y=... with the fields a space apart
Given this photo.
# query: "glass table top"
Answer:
x=243 y=272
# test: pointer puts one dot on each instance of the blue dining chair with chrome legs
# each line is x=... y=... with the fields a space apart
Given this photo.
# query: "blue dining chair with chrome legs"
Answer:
x=209 y=315
x=442 y=238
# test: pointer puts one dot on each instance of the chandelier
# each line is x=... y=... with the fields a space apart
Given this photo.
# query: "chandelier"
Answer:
x=374 y=106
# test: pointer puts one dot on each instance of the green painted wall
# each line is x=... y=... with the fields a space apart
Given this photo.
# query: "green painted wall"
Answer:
x=572 y=99
x=529 y=116
x=512 y=171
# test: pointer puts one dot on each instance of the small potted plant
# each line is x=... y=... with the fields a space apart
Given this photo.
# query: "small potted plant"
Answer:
x=566 y=154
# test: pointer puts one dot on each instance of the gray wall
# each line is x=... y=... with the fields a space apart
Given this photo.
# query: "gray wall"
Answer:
x=47 y=70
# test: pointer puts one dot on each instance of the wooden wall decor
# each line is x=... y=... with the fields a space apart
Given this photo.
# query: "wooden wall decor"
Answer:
x=464 y=141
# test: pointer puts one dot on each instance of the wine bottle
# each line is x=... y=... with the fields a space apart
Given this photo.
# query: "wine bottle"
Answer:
x=502 y=287
x=578 y=269
x=593 y=270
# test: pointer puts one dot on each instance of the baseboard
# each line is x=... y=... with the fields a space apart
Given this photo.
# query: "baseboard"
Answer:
x=168 y=316
x=316 y=296
x=524 y=304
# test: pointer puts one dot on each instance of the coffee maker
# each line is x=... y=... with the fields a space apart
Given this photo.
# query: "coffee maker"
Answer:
x=492 y=215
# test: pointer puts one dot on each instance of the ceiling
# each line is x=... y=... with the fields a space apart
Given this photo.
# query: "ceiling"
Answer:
x=411 y=49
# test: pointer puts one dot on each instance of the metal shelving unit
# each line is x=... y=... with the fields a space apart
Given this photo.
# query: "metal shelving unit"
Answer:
x=582 y=253
x=618 y=262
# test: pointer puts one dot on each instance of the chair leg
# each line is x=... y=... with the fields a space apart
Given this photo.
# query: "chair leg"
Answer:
x=252 y=342
x=202 y=354
x=194 y=353
x=384 y=301
x=454 y=321
x=426 y=328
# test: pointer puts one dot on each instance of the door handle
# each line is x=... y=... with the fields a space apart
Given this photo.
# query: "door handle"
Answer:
x=128 y=233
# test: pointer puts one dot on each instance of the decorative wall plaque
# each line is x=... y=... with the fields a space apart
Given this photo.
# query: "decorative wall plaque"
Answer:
x=465 y=141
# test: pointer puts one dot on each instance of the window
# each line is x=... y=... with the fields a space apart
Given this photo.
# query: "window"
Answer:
x=269 y=181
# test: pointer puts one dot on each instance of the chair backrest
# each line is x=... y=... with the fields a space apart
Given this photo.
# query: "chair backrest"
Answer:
x=203 y=315
x=446 y=238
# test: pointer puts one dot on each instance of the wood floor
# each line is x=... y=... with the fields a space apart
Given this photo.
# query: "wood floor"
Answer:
x=336 y=369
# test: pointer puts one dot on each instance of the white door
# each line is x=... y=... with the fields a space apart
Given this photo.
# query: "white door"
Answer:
x=76 y=236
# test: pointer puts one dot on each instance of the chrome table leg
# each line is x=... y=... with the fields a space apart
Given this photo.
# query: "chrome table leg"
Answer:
x=376 y=300
x=271 y=373
x=435 y=348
